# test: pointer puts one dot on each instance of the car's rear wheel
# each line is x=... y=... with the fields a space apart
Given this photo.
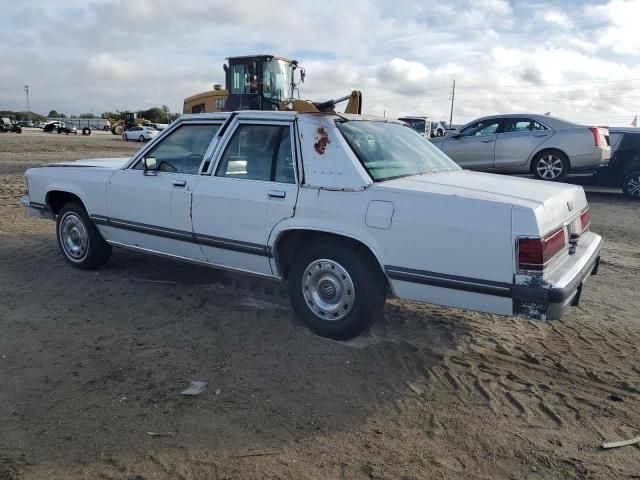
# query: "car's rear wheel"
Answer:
x=631 y=185
x=336 y=289
x=550 y=165
x=79 y=240
x=141 y=138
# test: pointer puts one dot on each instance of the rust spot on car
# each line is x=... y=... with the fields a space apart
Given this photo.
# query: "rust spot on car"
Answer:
x=321 y=139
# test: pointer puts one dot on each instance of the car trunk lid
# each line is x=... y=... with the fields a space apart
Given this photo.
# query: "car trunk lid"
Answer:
x=553 y=204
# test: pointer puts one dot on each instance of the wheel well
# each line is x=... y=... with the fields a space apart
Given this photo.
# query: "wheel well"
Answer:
x=291 y=241
x=549 y=150
x=56 y=199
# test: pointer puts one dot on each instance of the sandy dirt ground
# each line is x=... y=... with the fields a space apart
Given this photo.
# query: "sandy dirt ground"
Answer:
x=92 y=365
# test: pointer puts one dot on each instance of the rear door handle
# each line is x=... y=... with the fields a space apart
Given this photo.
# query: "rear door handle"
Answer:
x=487 y=141
x=179 y=183
x=277 y=194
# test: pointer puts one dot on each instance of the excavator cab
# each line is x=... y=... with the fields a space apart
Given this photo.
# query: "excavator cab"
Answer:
x=260 y=82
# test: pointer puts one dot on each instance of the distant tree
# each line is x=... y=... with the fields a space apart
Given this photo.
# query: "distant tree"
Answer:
x=21 y=116
x=115 y=114
x=87 y=115
x=53 y=114
x=154 y=115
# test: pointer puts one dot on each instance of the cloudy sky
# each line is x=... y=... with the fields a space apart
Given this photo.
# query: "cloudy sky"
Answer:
x=577 y=59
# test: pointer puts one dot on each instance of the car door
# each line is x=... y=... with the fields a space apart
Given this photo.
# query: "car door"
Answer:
x=130 y=134
x=153 y=211
x=517 y=140
x=474 y=146
x=253 y=187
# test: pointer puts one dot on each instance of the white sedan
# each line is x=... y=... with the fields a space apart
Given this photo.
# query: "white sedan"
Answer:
x=347 y=209
x=140 y=133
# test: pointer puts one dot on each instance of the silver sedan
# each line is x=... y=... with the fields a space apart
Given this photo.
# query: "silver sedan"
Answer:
x=548 y=147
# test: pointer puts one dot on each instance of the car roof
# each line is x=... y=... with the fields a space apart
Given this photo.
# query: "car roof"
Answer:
x=280 y=115
x=554 y=122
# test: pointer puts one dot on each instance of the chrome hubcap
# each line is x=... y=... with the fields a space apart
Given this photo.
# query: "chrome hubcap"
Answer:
x=633 y=186
x=549 y=167
x=73 y=237
x=328 y=290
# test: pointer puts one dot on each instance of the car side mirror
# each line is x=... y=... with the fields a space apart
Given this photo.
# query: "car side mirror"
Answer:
x=457 y=135
x=150 y=166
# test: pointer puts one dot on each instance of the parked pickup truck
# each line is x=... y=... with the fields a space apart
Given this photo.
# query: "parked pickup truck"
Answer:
x=346 y=209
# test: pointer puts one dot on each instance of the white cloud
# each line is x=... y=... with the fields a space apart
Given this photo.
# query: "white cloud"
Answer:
x=405 y=77
x=105 y=66
x=557 y=18
x=621 y=33
x=124 y=54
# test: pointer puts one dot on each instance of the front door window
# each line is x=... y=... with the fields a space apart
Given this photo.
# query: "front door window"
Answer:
x=183 y=150
x=483 y=127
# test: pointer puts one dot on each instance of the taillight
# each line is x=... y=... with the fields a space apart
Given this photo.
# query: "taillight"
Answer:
x=580 y=224
x=536 y=253
x=600 y=135
x=585 y=220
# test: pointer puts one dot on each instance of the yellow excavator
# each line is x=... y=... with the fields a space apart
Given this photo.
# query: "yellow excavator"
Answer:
x=263 y=82
x=126 y=120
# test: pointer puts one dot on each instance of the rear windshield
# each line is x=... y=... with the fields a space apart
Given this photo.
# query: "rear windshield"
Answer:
x=392 y=150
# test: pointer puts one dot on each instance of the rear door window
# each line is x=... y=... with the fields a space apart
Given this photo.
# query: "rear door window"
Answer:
x=259 y=152
x=512 y=125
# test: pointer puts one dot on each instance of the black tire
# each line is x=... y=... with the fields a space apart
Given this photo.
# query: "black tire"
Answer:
x=86 y=131
x=631 y=185
x=360 y=307
x=551 y=165
x=141 y=138
x=91 y=254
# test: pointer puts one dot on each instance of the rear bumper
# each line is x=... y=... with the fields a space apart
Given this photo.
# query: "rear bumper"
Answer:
x=549 y=297
x=598 y=158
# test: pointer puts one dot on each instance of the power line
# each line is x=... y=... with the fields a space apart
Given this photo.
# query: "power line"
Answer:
x=497 y=88
x=551 y=93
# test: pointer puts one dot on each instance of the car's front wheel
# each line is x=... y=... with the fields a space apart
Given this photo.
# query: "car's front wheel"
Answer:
x=79 y=240
x=141 y=138
x=550 y=165
x=336 y=289
x=631 y=185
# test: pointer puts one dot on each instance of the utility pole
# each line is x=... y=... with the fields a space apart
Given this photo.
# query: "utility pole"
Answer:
x=453 y=96
x=26 y=91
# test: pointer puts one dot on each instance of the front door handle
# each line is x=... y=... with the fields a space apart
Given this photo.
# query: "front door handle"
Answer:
x=179 y=183
x=541 y=135
x=277 y=194
x=487 y=141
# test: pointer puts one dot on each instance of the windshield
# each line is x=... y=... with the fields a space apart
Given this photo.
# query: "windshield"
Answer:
x=417 y=124
x=391 y=150
x=276 y=80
